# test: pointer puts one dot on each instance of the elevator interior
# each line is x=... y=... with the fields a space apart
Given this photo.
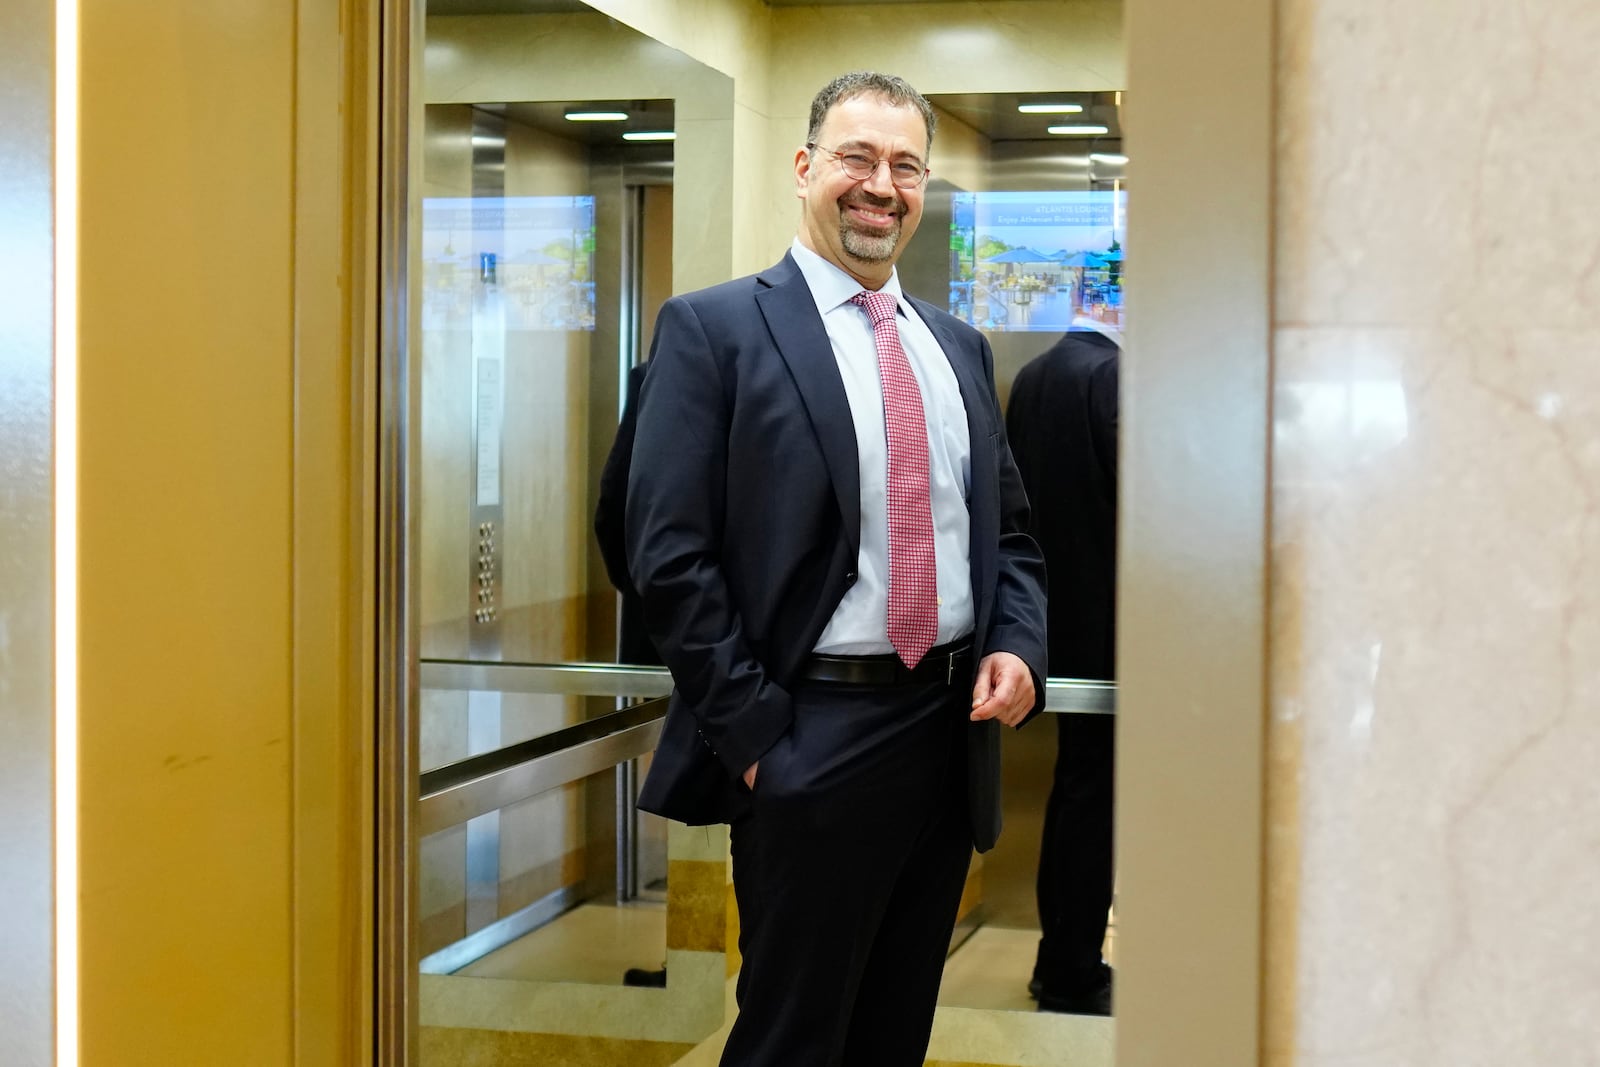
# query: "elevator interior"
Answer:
x=546 y=241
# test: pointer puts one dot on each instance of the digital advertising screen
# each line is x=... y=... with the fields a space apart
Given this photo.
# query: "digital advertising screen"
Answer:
x=1037 y=261
x=535 y=253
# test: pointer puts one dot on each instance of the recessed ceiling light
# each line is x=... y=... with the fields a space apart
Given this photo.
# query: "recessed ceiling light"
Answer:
x=596 y=116
x=1069 y=131
x=650 y=135
x=1108 y=157
x=1050 y=109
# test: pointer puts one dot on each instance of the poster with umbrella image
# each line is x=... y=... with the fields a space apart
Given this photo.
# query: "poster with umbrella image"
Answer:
x=537 y=251
x=1040 y=261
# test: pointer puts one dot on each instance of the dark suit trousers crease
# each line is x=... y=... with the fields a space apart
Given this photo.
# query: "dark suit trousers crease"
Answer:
x=848 y=872
x=1075 y=857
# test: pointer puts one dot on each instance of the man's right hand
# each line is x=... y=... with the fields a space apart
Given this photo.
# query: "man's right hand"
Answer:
x=750 y=775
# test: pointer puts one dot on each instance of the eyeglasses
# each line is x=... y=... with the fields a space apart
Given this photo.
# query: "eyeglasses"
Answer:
x=858 y=167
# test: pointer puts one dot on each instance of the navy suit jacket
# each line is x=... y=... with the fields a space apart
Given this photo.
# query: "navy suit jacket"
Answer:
x=743 y=529
x=633 y=642
x=1062 y=425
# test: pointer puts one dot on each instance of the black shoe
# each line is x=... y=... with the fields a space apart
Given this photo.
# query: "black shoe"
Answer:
x=640 y=976
x=1093 y=999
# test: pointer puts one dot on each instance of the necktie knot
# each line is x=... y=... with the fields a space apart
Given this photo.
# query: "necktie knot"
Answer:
x=880 y=305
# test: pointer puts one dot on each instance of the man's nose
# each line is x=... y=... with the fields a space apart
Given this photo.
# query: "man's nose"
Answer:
x=879 y=182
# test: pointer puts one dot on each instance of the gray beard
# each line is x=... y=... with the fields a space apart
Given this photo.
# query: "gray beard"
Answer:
x=871 y=248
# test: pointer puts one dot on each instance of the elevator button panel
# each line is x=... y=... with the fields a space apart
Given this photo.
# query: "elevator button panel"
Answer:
x=485 y=611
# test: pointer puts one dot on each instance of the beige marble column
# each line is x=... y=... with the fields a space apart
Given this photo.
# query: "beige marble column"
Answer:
x=1433 y=841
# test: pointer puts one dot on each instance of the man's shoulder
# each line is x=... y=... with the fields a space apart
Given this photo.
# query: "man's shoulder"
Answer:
x=1080 y=350
x=1073 y=360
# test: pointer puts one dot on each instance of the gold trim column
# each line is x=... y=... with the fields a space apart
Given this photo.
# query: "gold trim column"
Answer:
x=333 y=527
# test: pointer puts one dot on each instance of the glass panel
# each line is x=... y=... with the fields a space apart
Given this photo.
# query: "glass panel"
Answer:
x=532 y=881
x=545 y=244
x=530 y=295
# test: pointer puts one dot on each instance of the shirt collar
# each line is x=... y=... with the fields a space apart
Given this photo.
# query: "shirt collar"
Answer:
x=830 y=286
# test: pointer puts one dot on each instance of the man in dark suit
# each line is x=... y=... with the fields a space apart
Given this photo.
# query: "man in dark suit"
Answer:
x=610 y=531
x=827 y=532
x=1062 y=422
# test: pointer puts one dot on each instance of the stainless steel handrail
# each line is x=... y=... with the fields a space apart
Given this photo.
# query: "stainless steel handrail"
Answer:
x=1070 y=696
x=452 y=794
x=569 y=679
x=1080 y=696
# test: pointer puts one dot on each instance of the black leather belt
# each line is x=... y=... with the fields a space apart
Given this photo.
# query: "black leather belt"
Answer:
x=951 y=664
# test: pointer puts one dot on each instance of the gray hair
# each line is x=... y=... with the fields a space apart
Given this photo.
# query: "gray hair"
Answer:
x=896 y=91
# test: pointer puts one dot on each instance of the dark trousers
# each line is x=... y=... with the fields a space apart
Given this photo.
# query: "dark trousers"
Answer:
x=848 y=872
x=1075 y=857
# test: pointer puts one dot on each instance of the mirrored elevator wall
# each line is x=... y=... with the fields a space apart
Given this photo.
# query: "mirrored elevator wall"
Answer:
x=522 y=355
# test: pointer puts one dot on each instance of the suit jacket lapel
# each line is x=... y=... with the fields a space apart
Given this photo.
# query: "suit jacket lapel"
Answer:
x=802 y=340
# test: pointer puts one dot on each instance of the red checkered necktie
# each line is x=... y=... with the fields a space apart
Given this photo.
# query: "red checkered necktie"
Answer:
x=913 y=578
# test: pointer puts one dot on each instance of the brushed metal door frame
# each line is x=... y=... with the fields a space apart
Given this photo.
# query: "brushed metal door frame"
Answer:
x=27 y=548
x=395 y=1010
x=1192 y=582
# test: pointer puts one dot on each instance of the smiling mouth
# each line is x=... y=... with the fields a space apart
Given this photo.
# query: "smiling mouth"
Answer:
x=872 y=215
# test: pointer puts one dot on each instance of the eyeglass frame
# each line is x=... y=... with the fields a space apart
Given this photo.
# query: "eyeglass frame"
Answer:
x=838 y=157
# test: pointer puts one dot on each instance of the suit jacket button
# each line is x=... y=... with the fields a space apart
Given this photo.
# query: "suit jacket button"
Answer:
x=850 y=579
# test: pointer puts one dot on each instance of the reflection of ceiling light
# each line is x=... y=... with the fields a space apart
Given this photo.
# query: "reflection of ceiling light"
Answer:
x=650 y=135
x=1108 y=157
x=1050 y=109
x=596 y=116
x=1069 y=131
x=481 y=141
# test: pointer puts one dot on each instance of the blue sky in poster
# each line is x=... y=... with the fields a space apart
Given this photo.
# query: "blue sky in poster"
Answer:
x=1048 y=222
x=505 y=225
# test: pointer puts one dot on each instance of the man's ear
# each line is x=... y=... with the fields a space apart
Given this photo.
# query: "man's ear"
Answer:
x=802 y=167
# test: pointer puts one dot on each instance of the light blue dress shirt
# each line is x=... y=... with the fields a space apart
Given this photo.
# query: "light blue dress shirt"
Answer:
x=860 y=624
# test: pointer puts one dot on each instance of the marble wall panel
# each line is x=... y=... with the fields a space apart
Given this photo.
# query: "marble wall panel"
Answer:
x=1437 y=161
x=1436 y=538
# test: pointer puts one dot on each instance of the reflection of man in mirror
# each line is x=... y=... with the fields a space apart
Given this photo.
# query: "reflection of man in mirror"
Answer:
x=633 y=642
x=827 y=532
x=1062 y=421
